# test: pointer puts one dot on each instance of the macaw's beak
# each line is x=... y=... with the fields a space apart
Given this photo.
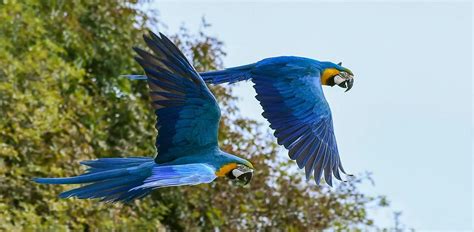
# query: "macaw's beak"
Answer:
x=345 y=80
x=242 y=174
x=246 y=177
x=347 y=84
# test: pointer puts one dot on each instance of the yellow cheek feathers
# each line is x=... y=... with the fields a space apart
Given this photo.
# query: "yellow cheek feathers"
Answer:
x=226 y=169
x=328 y=73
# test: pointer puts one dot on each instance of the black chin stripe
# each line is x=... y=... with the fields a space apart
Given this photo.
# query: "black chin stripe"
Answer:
x=230 y=175
x=331 y=81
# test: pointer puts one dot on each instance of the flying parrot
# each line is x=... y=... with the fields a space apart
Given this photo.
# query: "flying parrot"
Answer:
x=187 y=149
x=290 y=91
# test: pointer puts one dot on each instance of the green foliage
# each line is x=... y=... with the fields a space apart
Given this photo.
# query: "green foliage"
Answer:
x=62 y=101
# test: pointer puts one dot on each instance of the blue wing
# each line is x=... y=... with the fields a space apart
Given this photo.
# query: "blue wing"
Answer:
x=178 y=175
x=187 y=112
x=293 y=101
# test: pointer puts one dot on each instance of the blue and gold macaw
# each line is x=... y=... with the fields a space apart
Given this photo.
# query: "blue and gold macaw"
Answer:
x=290 y=92
x=187 y=123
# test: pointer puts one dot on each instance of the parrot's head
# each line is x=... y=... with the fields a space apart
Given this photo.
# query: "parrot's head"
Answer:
x=242 y=174
x=334 y=74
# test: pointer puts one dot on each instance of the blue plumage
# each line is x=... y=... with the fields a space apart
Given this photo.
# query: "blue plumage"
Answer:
x=187 y=123
x=110 y=179
x=290 y=92
x=230 y=75
x=177 y=175
x=183 y=91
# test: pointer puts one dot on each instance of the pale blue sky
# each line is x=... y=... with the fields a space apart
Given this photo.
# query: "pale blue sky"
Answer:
x=408 y=118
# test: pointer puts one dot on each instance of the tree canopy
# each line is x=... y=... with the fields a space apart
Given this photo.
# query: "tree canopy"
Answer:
x=62 y=100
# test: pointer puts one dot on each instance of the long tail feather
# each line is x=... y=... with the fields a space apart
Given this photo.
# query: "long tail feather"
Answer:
x=85 y=178
x=109 y=179
x=230 y=75
x=125 y=179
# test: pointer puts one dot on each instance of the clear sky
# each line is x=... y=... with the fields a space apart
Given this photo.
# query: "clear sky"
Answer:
x=408 y=119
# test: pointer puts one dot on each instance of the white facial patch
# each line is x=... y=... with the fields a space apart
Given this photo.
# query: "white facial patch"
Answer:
x=237 y=172
x=338 y=80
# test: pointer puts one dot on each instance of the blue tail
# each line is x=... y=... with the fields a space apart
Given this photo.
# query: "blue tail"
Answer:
x=126 y=179
x=109 y=179
x=230 y=75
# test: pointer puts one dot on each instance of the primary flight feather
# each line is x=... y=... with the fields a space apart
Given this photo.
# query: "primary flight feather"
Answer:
x=187 y=123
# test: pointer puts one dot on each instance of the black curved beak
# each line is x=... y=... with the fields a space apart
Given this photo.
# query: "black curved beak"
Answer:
x=246 y=177
x=347 y=84
x=350 y=83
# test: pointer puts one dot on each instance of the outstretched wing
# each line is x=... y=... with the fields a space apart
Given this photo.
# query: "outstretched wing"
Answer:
x=187 y=112
x=293 y=102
